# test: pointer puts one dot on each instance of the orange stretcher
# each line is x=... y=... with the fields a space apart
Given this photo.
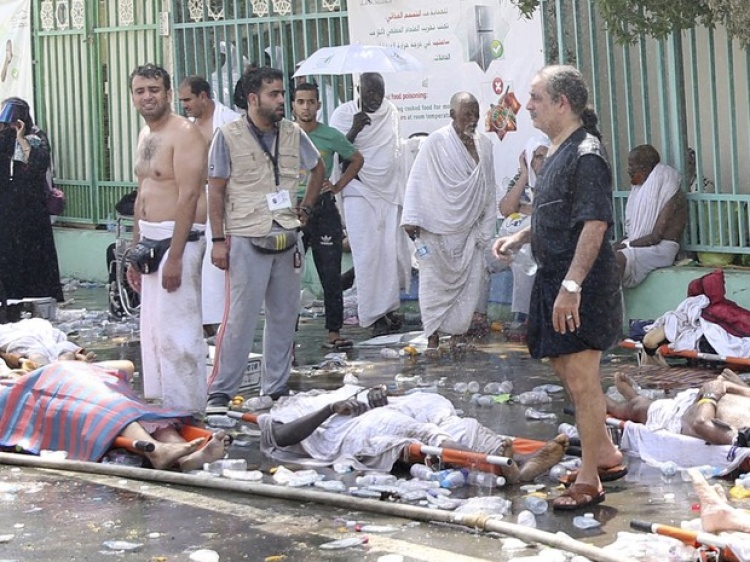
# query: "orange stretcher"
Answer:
x=418 y=452
x=665 y=351
x=700 y=540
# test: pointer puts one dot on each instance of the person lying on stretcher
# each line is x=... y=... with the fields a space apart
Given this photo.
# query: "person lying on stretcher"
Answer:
x=81 y=408
x=369 y=430
x=718 y=412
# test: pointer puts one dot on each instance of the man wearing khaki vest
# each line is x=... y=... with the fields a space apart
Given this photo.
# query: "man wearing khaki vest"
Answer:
x=253 y=171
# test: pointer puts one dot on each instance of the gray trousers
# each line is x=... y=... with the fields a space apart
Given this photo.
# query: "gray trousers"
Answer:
x=255 y=277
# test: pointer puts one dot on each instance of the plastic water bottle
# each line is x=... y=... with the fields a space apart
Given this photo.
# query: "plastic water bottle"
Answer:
x=532 y=414
x=558 y=472
x=526 y=518
x=585 y=521
x=525 y=260
x=421 y=472
x=492 y=388
x=455 y=479
x=535 y=505
x=669 y=469
x=485 y=479
x=568 y=429
x=460 y=387
x=422 y=252
x=440 y=474
x=533 y=397
x=344 y=543
x=485 y=401
x=473 y=386
x=376 y=480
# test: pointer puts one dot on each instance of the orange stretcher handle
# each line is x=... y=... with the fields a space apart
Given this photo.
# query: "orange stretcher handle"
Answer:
x=690 y=538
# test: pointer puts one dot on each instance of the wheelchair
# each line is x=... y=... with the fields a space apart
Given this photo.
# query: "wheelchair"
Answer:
x=124 y=301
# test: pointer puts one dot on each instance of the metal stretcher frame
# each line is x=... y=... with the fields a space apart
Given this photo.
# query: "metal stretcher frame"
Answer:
x=665 y=351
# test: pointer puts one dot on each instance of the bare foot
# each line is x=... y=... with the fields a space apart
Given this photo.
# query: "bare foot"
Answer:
x=716 y=513
x=214 y=450
x=544 y=459
x=731 y=376
x=625 y=385
x=167 y=454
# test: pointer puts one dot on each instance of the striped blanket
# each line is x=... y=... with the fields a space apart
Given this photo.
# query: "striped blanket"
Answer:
x=72 y=406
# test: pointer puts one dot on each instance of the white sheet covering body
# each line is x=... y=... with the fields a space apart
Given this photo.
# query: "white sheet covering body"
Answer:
x=372 y=210
x=451 y=198
x=375 y=439
x=645 y=202
x=36 y=339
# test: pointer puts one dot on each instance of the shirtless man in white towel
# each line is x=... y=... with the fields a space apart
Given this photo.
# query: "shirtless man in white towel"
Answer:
x=655 y=216
x=171 y=169
x=716 y=412
x=450 y=205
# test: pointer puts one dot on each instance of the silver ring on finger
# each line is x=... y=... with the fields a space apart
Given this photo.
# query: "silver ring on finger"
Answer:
x=568 y=317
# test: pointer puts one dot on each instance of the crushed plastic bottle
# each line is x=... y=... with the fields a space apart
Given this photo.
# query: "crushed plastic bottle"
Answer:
x=568 y=429
x=492 y=388
x=204 y=555
x=506 y=387
x=460 y=387
x=377 y=529
x=244 y=475
x=342 y=467
x=526 y=518
x=376 y=480
x=124 y=546
x=217 y=467
x=473 y=386
x=535 y=505
x=485 y=479
x=548 y=388
x=336 y=486
x=304 y=478
x=421 y=472
x=388 y=353
x=533 y=414
x=455 y=479
x=533 y=397
x=344 y=543
x=585 y=521
x=485 y=401
x=558 y=472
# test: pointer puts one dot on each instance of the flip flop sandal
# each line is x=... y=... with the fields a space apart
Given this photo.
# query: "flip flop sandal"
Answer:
x=339 y=343
x=578 y=496
x=605 y=474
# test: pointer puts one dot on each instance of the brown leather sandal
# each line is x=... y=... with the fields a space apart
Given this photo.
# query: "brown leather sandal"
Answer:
x=578 y=496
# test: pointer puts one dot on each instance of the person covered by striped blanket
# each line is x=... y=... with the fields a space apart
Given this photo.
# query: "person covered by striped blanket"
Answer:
x=80 y=408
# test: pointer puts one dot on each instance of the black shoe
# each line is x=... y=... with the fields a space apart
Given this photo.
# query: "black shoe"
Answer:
x=276 y=395
x=395 y=321
x=217 y=405
x=380 y=327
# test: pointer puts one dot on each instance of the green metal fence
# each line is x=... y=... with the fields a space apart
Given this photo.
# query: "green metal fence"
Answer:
x=689 y=90
x=84 y=52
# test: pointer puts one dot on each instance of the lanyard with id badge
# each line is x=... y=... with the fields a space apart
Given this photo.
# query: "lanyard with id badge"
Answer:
x=277 y=201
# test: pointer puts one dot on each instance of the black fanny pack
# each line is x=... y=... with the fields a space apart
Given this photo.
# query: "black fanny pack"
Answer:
x=276 y=242
x=147 y=254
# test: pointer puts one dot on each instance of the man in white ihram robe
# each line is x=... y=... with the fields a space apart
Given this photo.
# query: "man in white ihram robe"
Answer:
x=450 y=207
x=372 y=204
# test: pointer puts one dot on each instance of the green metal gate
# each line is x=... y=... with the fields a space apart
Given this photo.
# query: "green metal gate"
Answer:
x=86 y=49
x=217 y=39
x=84 y=52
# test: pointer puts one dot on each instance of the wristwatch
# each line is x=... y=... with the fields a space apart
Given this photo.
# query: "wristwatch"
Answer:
x=571 y=286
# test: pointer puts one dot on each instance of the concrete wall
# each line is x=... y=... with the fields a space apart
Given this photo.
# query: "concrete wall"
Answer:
x=82 y=253
x=664 y=289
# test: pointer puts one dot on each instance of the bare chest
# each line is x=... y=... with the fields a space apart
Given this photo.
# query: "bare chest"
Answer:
x=154 y=158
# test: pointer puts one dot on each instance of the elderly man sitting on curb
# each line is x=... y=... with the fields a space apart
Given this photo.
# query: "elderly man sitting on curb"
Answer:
x=369 y=430
x=655 y=216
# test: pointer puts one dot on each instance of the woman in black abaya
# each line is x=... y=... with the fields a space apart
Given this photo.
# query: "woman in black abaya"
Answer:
x=28 y=258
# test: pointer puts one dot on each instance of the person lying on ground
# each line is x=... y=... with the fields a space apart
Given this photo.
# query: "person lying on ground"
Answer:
x=716 y=412
x=80 y=408
x=716 y=513
x=371 y=431
x=36 y=342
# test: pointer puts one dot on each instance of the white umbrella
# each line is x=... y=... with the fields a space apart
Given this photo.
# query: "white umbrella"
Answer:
x=356 y=59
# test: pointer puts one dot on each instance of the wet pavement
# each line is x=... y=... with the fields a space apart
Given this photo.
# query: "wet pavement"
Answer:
x=50 y=515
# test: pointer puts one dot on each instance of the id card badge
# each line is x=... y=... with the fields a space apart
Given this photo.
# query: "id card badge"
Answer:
x=279 y=200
